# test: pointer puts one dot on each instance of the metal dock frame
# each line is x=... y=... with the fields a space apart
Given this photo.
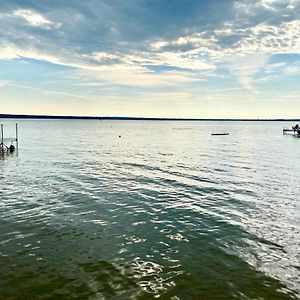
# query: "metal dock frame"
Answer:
x=3 y=147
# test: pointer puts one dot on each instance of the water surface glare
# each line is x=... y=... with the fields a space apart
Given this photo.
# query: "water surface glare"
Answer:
x=150 y=209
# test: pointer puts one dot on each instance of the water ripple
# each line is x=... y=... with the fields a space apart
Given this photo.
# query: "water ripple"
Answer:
x=166 y=212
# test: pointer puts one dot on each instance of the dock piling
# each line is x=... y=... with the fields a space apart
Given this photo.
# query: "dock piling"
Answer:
x=1 y=134
x=17 y=137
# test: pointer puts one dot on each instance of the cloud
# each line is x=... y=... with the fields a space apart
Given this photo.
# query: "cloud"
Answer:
x=80 y=96
x=229 y=40
x=167 y=96
x=117 y=69
x=4 y=83
x=292 y=69
x=290 y=96
x=245 y=66
x=244 y=50
x=131 y=75
x=274 y=67
x=33 y=18
x=120 y=43
x=268 y=11
x=7 y=52
x=11 y=51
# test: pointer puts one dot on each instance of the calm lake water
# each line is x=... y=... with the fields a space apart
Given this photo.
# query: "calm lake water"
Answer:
x=165 y=211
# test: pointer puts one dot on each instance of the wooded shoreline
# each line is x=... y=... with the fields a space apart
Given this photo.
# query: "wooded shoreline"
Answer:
x=22 y=116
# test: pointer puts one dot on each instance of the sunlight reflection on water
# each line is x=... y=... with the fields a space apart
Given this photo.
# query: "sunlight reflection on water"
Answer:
x=166 y=210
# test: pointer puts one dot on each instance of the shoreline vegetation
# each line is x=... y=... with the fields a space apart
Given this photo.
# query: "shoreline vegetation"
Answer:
x=50 y=117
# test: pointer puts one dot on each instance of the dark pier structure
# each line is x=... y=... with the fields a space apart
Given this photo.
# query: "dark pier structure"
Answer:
x=295 y=130
x=8 y=145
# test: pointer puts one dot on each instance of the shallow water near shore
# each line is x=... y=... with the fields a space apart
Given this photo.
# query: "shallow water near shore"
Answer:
x=150 y=209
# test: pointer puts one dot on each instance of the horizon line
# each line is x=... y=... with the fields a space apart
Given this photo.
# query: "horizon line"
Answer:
x=61 y=117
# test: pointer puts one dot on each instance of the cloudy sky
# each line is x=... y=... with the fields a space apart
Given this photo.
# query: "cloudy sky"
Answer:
x=151 y=58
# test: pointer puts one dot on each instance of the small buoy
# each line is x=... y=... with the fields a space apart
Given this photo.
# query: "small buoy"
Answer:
x=11 y=148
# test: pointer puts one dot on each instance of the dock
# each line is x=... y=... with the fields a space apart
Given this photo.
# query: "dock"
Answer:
x=8 y=145
x=293 y=131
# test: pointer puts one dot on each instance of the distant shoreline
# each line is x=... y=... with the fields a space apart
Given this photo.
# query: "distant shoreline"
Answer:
x=48 y=117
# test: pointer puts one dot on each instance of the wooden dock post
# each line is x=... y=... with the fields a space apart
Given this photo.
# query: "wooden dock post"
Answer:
x=17 y=136
x=2 y=135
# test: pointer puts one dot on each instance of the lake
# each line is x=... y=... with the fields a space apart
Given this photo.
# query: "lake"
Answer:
x=150 y=209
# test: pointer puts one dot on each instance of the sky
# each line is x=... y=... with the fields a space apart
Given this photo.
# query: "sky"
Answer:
x=151 y=58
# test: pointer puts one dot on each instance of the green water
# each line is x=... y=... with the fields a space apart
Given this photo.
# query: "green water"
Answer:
x=166 y=211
